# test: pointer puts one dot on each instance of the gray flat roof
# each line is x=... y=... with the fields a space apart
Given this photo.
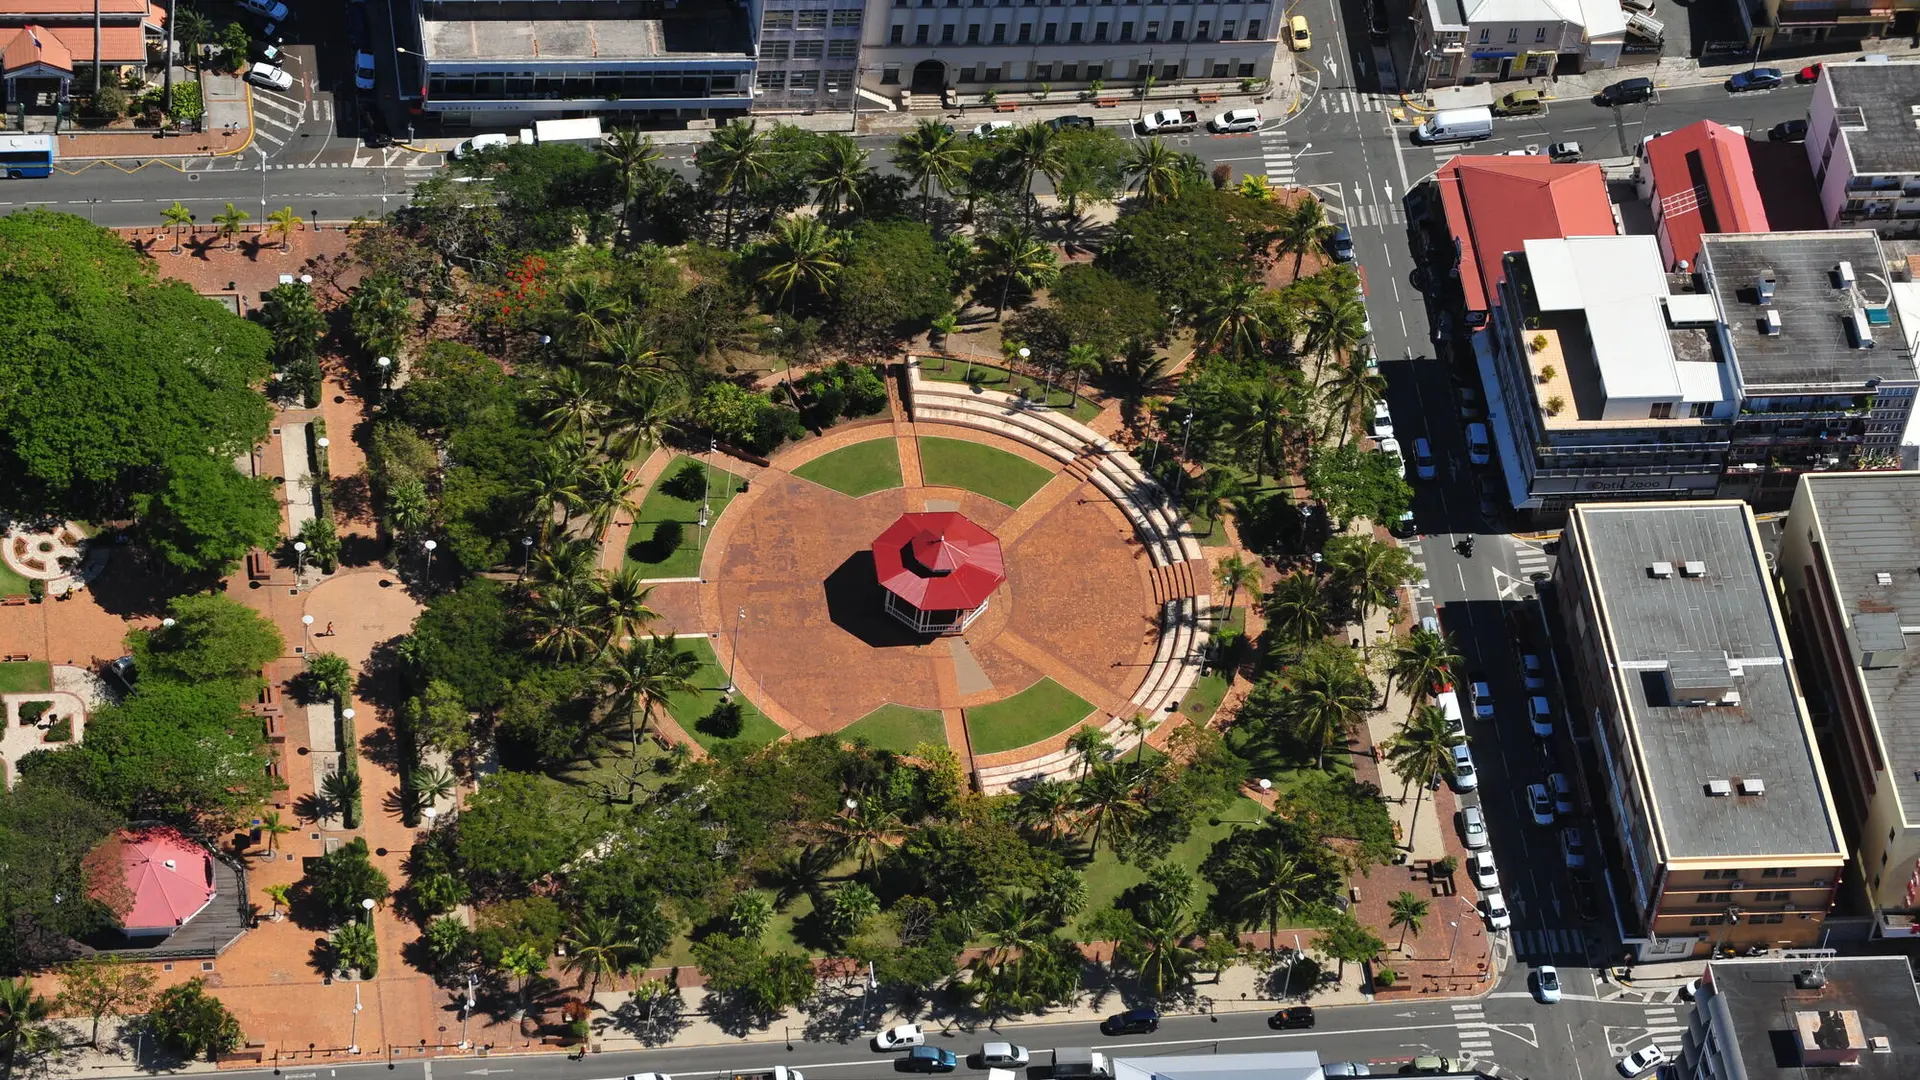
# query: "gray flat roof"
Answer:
x=1884 y=95
x=1870 y=524
x=1270 y=1065
x=570 y=30
x=1757 y=1000
x=1813 y=350
x=1724 y=615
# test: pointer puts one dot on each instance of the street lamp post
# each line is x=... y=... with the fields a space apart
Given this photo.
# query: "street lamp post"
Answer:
x=735 y=658
x=386 y=372
x=300 y=559
x=306 y=623
x=263 y=183
x=466 y=1010
x=430 y=545
x=1186 y=436
x=354 y=1043
x=700 y=537
x=526 y=555
x=1451 y=943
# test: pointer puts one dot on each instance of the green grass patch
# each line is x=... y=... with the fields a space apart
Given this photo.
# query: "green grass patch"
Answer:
x=710 y=683
x=26 y=677
x=668 y=500
x=982 y=469
x=860 y=469
x=898 y=728
x=12 y=582
x=941 y=369
x=1204 y=699
x=1107 y=877
x=1043 y=709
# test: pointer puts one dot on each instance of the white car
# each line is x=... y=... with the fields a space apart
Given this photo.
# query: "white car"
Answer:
x=999 y=1055
x=1536 y=674
x=1546 y=984
x=900 y=1037
x=1562 y=789
x=363 y=70
x=1391 y=445
x=1574 y=847
x=269 y=76
x=1482 y=701
x=1480 y=867
x=1641 y=1060
x=1473 y=827
x=1494 y=907
x=1540 y=714
x=991 y=128
x=1540 y=804
x=1236 y=120
x=1382 y=421
x=481 y=142
x=1465 y=777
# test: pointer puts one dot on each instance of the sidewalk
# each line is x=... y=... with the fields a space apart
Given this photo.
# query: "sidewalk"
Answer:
x=227 y=129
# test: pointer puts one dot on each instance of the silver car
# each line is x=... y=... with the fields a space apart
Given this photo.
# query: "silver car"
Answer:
x=1473 y=827
x=999 y=1055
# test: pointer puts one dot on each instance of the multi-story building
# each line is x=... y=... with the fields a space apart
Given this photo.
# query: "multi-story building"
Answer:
x=927 y=47
x=48 y=47
x=495 y=64
x=1847 y=564
x=809 y=54
x=1818 y=352
x=1469 y=41
x=1699 y=180
x=1721 y=820
x=1794 y=1018
x=1864 y=147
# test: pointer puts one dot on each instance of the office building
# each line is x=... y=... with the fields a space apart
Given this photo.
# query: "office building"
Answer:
x=1864 y=147
x=1795 y=1018
x=1716 y=806
x=1467 y=41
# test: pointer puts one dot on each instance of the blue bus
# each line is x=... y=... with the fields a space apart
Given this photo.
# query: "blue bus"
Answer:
x=23 y=156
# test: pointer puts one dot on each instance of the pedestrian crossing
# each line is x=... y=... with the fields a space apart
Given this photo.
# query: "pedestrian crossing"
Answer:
x=1476 y=1038
x=1666 y=1027
x=1370 y=214
x=275 y=118
x=1351 y=101
x=1278 y=161
x=1531 y=559
x=1544 y=945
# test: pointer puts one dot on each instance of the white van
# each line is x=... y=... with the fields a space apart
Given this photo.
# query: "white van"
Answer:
x=1455 y=125
x=1646 y=27
x=1236 y=120
x=1448 y=702
x=1422 y=460
x=481 y=142
x=1478 y=451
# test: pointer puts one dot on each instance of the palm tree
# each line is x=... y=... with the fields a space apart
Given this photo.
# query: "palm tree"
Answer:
x=597 y=947
x=607 y=491
x=1013 y=924
x=340 y=789
x=621 y=607
x=284 y=221
x=1234 y=321
x=592 y=309
x=1156 y=170
x=1350 y=394
x=1137 y=376
x=1032 y=149
x=1216 y=489
x=631 y=153
x=1408 y=912
x=569 y=563
x=1015 y=255
x=1297 y=607
x=626 y=356
x=175 y=217
x=523 y=962
x=1234 y=574
x=1420 y=752
x=1092 y=745
x=1261 y=414
x=230 y=220
x=569 y=405
x=1158 y=950
x=839 y=168
x=1274 y=885
x=272 y=825
x=279 y=895
x=430 y=785
x=1336 y=325
x=644 y=676
x=930 y=154
x=1306 y=227
x=554 y=483
x=1421 y=661
x=1326 y=695
x=1045 y=804
x=1082 y=361
x=561 y=619
x=21 y=1014
x=1139 y=727
x=1109 y=799
x=865 y=833
x=804 y=253
x=638 y=417
x=1371 y=571
x=737 y=159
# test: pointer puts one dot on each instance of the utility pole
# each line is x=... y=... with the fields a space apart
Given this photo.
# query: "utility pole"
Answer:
x=166 y=79
x=96 y=45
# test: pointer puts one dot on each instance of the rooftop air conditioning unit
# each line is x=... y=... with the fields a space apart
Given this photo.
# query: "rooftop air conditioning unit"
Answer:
x=1765 y=285
x=1862 y=330
x=1661 y=569
x=1771 y=324
x=1718 y=788
x=1693 y=568
x=1731 y=698
x=1843 y=274
x=1753 y=785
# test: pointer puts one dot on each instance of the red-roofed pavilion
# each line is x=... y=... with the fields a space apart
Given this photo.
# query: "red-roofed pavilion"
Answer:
x=938 y=570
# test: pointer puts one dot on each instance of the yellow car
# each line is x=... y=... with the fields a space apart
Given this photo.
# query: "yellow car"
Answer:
x=1298 y=34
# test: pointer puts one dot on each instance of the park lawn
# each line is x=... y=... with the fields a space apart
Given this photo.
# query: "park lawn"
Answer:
x=982 y=469
x=860 y=469
x=1046 y=708
x=1107 y=877
x=12 y=582
x=709 y=686
x=898 y=728
x=1210 y=689
x=940 y=369
x=26 y=677
x=660 y=506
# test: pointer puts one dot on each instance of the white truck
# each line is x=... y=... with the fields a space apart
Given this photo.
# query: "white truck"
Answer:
x=585 y=131
x=1079 y=1062
x=1169 y=121
x=778 y=1072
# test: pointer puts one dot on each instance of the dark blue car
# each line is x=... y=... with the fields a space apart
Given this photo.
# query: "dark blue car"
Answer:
x=1341 y=243
x=1131 y=1022
x=1757 y=79
x=929 y=1059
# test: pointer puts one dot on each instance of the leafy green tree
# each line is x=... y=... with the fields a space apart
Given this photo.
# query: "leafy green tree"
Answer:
x=750 y=914
x=513 y=829
x=763 y=983
x=192 y=1022
x=894 y=279
x=1354 y=482
x=1263 y=875
x=290 y=315
x=546 y=192
x=354 y=946
x=465 y=639
x=1347 y=941
x=437 y=718
x=449 y=943
x=849 y=907
x=48 y=896
x=207 y=516
x=323 y=542
x=332 y=675
x=213 y=640
x=1089 y=167
x=377 y=313
x=338 y=880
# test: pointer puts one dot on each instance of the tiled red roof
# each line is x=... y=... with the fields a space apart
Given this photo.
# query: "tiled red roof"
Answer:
x=939 y=561
x=1494 y=205
x=34 y=45
x=1703 y=179
x=168 y=875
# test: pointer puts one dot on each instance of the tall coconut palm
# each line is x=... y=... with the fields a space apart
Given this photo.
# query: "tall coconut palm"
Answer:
x=1306 y=227
x=1326 y=695
x=1235 y=321
x=22 y=1014
x=1233 y=574
x=735 y=161
x=838 y=170
x=1274 y=885
x=1092 y=745
x=1110 y=801
x=930 y=154
x=1419 y=662
x=569 y=405
x=1034 y=149
x=621 y=606
x=284 y=221
x=176 y=217
x=644 y=676
x=1262 y=416
x=571 y=563
x=230 y=220
x=1350 y=393
x=560 y=617
x=597 y=947
x=607 y=491
x=1216 y=490
x=1156 y=170
x=592 y=308
x=272 y=824
x=631 y=153
x=639 y=416
x=1407 y=912
x=1045 y=805
x=1012 y=923
x=1081 y=361
x=1297 y=608
x=1336 y=326
x=1014 y=256
x=554 y=485
x=1157 y=950
x=866 y=833
x=1420 y=752
x=625 y=356
x=1371 y=571
x=805 y=253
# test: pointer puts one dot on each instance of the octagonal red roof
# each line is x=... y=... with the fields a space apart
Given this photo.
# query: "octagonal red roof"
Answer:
x=939 y=561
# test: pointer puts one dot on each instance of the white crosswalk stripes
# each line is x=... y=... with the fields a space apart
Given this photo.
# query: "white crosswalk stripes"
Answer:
x=1347 y=101
x=1531 y=559
x=1279 y=159
x=1541 y=944
x=1666 y=1028
x=1373 y=214
x=1476 y=1040
x=274 y=118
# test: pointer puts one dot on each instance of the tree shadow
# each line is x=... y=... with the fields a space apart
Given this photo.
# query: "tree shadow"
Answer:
x=382 y=747
x=837 y=1013
x=856 y=604
x=352 y=499
x=312 y=808
x=131 y=585
x=654 y=1023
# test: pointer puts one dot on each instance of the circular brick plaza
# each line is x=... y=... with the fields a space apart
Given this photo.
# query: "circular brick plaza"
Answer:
x=818 y=649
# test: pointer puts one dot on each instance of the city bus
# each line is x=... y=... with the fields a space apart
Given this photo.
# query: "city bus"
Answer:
x=24 y=156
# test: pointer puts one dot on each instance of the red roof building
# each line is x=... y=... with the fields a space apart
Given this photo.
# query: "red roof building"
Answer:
x=1494 y=205
x=44 y=42
x=938 y=570
x=1703 y=182
x=168 y=879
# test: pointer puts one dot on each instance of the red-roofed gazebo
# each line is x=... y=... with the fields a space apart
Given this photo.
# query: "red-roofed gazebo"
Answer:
x=938 y=570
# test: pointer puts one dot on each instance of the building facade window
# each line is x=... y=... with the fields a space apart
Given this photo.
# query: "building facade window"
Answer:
x=1026 y=32
x=775 y=51
x=1540 y=34
x=777 y=20
x=1253 y=29
x=1201 y=29
x=1486 y=36
x=1179 y=32
x=946 y=34
x=1074 y=30
x=973 y=34
x=804 y=82
x=993 y=75
x=809 y=50
x=1069 y=72
x=1513 y=34
x=1245 y=71
x=967 y=74
x=1049 y=32
x=897 y=35
x=770 y=80
x=1096 y=72
x=1126 y=31
x=999 y=33
x=890 y=74
x=1099 y=31
x=1226 y=30
x=810 y=20
x=850 y=18
x=1153 y=31
x=920 y=34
